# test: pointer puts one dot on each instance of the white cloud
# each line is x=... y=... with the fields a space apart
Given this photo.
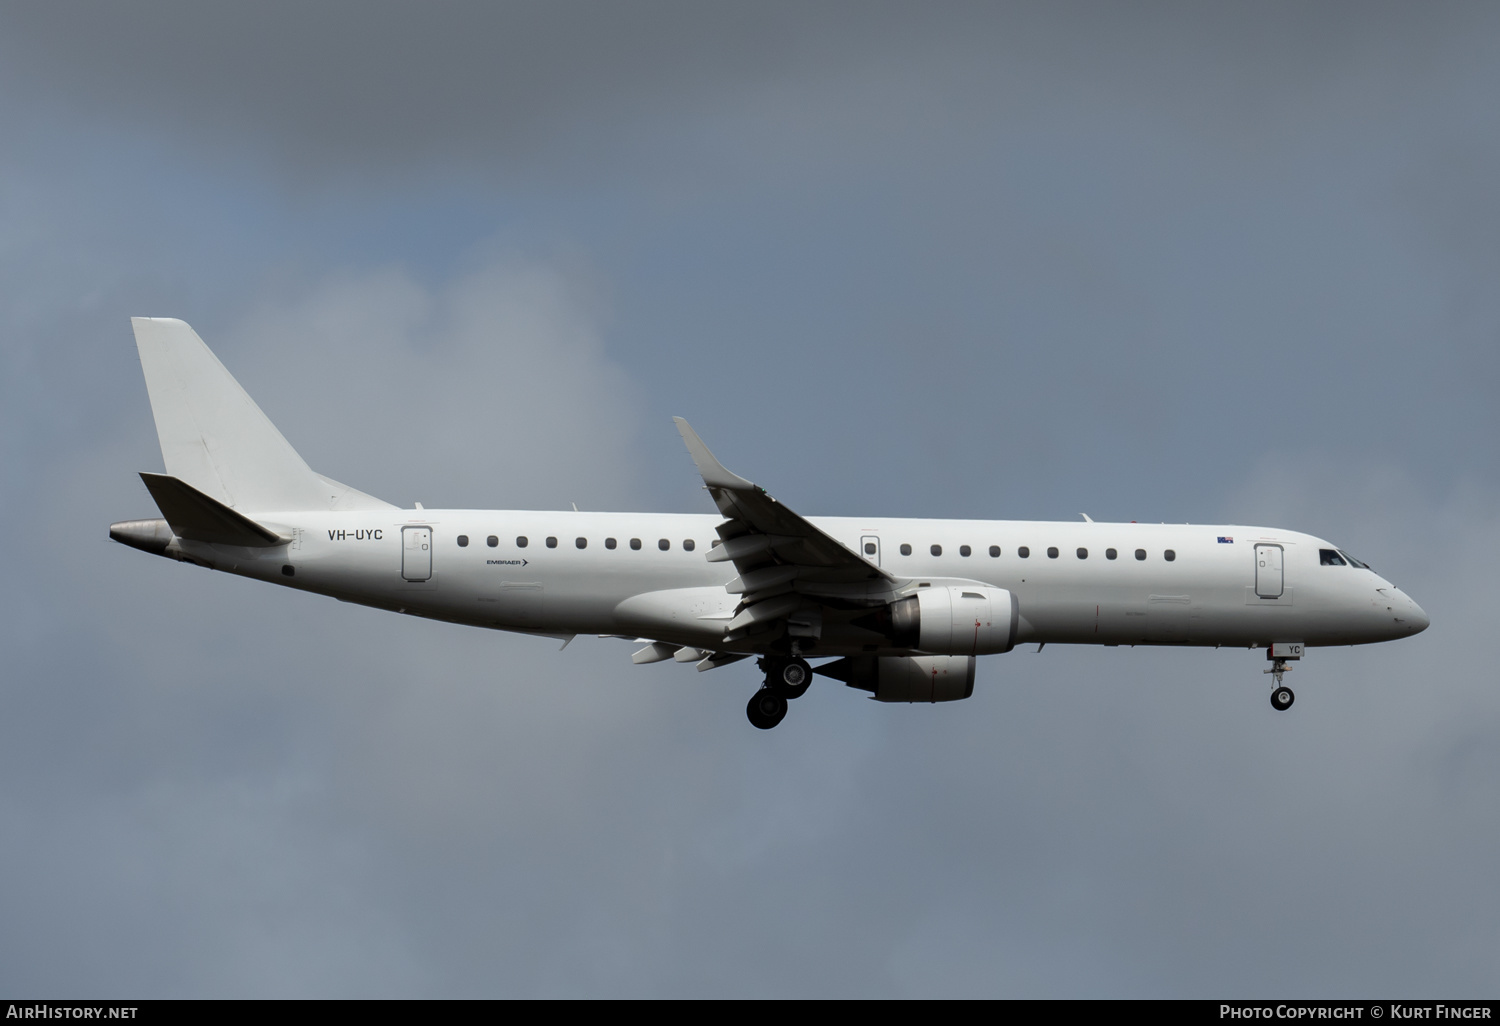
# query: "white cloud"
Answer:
x=490 y=391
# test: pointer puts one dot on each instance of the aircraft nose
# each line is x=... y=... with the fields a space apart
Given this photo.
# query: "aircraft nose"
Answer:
x=1410 y=618
x=1416 y=617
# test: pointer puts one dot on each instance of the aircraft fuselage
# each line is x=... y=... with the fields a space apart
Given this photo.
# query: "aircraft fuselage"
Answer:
x=600 y=570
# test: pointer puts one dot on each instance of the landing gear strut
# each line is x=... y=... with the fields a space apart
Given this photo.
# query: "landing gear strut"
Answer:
x=785 y=679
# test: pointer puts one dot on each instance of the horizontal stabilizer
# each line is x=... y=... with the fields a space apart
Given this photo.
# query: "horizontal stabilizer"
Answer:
x=197 y=517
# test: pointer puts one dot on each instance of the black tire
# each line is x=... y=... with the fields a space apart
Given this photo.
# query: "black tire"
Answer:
x=1282 y=698
x=766 y=709
x=794 y=679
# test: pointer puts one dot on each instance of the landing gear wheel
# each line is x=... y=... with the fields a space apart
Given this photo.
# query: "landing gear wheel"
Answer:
x=794 y=678
x=766 y=709
x=1282 y=698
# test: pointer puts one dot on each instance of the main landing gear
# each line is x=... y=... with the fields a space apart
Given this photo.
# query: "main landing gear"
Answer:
x=766 y=709
x=785 y=679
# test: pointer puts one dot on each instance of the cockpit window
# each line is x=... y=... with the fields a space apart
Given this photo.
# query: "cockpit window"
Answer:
x=1354 y=562
x=1328 y=557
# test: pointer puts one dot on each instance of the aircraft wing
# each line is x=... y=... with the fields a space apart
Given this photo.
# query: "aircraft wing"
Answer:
x=780 y=556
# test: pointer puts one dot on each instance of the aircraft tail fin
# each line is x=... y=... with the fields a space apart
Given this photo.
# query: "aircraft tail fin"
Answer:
x=214 y=438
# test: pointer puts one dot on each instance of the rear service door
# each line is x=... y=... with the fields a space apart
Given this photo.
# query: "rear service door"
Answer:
x=416 y=553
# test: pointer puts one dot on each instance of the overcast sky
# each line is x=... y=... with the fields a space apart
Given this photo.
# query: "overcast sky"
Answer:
x=1168 y=262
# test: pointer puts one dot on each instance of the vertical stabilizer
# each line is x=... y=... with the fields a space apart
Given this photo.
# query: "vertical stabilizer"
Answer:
x=214 y=437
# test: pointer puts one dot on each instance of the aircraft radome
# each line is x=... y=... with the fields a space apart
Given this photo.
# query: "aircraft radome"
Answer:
x=898 y=608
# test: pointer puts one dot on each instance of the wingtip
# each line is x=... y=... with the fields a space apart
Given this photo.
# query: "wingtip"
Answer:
x=714 y=473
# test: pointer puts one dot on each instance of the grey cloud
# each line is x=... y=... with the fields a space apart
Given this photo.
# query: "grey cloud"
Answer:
x=301 y=797
x=386 y=87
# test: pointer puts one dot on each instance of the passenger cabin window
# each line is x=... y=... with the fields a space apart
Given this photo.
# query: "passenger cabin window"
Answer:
x=1110 y=554
x=1328 y=557
x=688 y=545
x=905 y=550
x=994 y=551
x=609 y=543
x=582 y=543
x=1052 y=552
x=635 y=543
x=1024 y=552
x=1169 y=555
x=869 y=548
x=964 y=550
x=1083 y=553
x=492 y=541
x=664 y=545
x=551 y=542
x=463 y=541
x=937 y=550
x=521 y=541
x=1140 y=553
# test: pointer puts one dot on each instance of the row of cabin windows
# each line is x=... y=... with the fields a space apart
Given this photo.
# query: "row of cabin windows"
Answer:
x=1025 y=553
x=522 y=541
x=689 y=545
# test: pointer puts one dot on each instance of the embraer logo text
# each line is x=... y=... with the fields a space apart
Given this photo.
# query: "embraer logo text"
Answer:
x=360 y=535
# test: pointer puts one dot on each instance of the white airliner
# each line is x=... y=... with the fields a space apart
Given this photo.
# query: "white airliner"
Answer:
x=900 y=607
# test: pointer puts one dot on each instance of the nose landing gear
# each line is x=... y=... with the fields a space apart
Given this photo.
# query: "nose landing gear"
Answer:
x=785 y=679
x=1280 y=654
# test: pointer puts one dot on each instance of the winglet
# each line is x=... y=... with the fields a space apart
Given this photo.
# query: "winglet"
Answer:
x=714 y=474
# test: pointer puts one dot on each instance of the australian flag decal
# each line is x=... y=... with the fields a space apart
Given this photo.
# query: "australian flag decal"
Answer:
x=1225 y=541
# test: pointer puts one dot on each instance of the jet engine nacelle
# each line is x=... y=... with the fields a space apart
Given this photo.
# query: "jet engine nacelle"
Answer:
x=956 y=620
x=943 y=678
